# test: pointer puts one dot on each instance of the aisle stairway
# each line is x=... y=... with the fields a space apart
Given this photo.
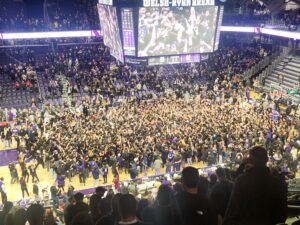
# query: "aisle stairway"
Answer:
x=289 y=68
x=65 y=97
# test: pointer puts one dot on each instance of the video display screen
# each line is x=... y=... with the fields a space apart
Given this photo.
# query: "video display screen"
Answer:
x=110 y=30
x=176 y=59
x=176 y=30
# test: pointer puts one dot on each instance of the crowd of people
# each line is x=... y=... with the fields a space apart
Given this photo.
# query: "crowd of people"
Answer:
x=257 y=196
x=255 y=13
x=17 y=17
x=215 y=124
x=137 y=135
x=136 y=119
x=88 y=70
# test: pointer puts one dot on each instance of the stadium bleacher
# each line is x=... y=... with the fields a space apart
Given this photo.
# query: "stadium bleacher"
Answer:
x=286 y=76
x=176 y=143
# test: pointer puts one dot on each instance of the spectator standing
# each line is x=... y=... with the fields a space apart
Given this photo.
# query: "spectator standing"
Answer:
x=104 y=173
x=257 y=197
x=24 y=187
x=96 y=175
x=116 y=182
x=104 y=209
x=32 y=171
x=5 y=211
x=35 y=214
x=20 y=217
x=60 y=182
x=220 y=194
x=195 y=208
x=157 y=164
x=73 y=210
x=127 y=210
x=3 y=191
x=35 y=191
x=54 y=195
x=165 y=211
x=94 y=202
x=112 y=218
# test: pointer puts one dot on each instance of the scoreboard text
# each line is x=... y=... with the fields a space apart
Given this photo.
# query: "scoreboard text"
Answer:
x=177 y=3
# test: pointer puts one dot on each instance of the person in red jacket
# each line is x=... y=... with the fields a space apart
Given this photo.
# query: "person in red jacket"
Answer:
x=116 y=182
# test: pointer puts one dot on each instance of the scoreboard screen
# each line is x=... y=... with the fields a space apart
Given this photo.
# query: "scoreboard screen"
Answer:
x=128 y=31
x=176 y=59
x=110 y=30
x=176 y=30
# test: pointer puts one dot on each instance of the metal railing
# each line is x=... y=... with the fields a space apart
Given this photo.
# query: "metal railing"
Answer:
x=256 y=68
x=284 y=52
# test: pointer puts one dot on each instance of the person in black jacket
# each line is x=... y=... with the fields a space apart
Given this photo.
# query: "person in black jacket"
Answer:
x=220 y=193
x=127 y=210
x=257 y=197
x=73 y=210
x=195 y=208
x=23 y=187
x=165 y=211
x=113 y=216
x=94 y=202
x=32 y=171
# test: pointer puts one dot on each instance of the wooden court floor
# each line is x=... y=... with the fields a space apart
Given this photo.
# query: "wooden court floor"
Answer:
x=46 y=180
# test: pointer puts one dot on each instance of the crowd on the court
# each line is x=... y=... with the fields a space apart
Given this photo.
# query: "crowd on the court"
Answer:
x=213 y=120
x=91 y=137
x=257 y=196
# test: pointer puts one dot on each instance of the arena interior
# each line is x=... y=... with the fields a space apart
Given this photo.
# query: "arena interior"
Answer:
x=182 y=112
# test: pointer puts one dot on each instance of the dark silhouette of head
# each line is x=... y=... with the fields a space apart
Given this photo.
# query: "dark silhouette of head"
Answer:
x=79 y=197
x=35 y=214
x=221 y=174
x=258 y=156
x=164 y=195
x=104 y=206
x=127 y=206
x=190 y=178
x=100 y=191
x=82 y=218
x=7 y=207
x=20 y=217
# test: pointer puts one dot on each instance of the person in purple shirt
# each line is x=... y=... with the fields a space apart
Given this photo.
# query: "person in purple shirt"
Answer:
x=288 y=149
x=80 y=168
x=248 y=93
x=275 y=115
x=60 y=179
x=10 y=116
x=269 y=138
x=93 y=164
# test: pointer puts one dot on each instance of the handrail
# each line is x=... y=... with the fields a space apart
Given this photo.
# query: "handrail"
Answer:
x=256 y=68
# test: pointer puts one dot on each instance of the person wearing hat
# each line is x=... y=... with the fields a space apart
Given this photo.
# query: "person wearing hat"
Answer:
x=257 y=197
